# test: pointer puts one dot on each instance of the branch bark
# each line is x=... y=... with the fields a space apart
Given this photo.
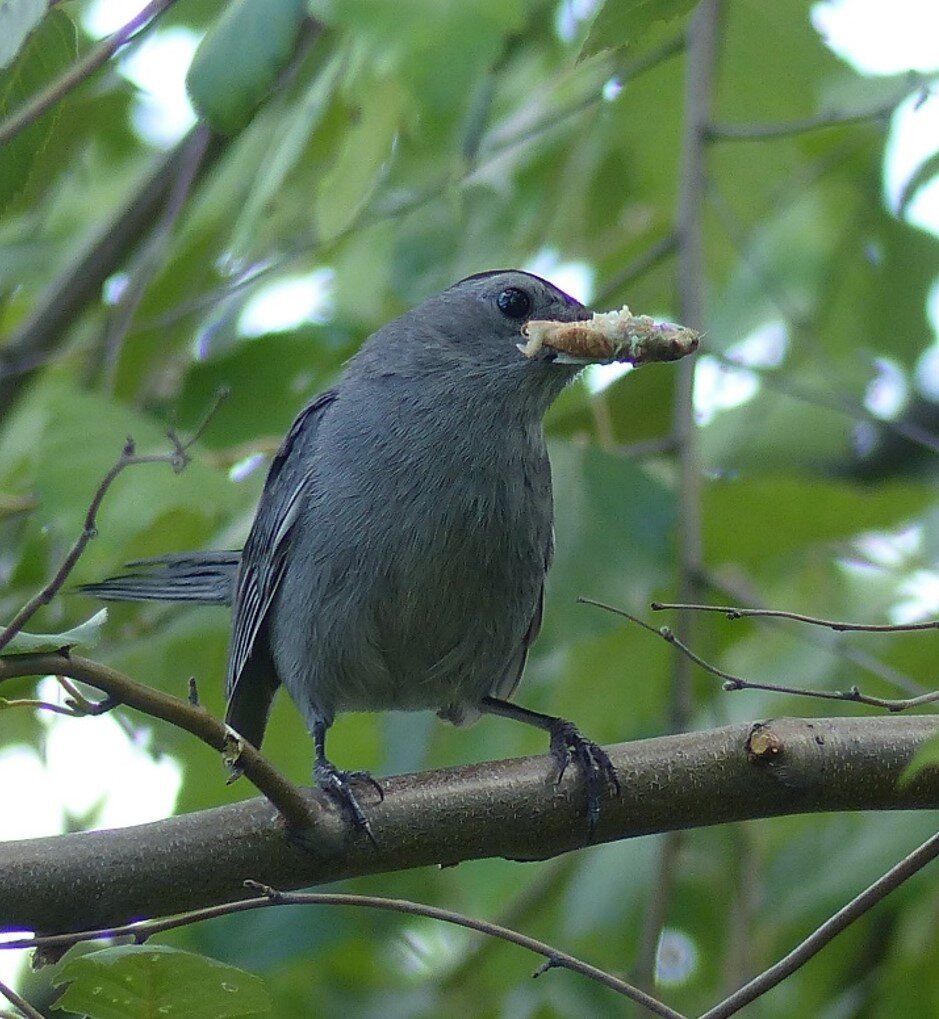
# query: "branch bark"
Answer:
x=26 y=349
x=503 y=808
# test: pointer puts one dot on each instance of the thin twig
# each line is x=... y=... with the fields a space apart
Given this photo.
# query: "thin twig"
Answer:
x=832 y=927
x=734 y=612
x=79 y=71
x=152 y=252
x=732 y=682
x=141 y=932
x=178 y=458
x=836 y=646
x=643 y=448
x=798 y=320
x=821 y=121
x=297 y=811
x=638 y=267
x=75 y=706
x=703 y=34
x=19 y=1002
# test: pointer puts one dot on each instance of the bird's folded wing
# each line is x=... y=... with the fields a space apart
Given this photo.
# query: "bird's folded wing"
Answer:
x=265 y=552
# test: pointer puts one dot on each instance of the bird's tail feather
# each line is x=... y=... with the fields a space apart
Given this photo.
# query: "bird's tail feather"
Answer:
x=204 y=577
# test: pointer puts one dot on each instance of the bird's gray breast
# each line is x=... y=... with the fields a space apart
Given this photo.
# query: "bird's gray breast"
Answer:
x=419 y=559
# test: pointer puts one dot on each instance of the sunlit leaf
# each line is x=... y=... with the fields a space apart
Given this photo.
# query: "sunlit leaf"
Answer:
x=45 y=55
x=142 y=981
x=86 y=634
x=239 y=59
x=621 y=22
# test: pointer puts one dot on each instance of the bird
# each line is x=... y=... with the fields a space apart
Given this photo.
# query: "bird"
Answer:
x=398 y=555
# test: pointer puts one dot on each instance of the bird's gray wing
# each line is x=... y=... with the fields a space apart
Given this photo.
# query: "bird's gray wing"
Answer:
x=264 y=557
x=509 y=680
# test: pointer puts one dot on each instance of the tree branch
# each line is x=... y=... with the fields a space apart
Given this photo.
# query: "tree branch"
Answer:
x=819 y=122
x=830 y=929
x=732 y=682
x=734 y=612
x=142 y=932
x=293 y=808
x=503 y=808
x=701 y=58
x=178 y=458
x=19 y=1002
x=26 y=349
x=79 y=71
x=701 y=51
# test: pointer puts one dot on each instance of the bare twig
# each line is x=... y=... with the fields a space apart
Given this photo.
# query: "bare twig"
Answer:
x=830 y=929
x=123 y=690
x=71 y=709
x=152 y=252
x=638 y=267
x=734 y=612
x=79 y=71
x=268 y=897
x=19 y=1002
x=550 y=880
x=832 y=643
x=178 y=458
x=821 y=121
x=732 y=682
x=643 y=448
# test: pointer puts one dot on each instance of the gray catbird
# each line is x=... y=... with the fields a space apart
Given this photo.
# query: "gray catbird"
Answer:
x=398 y=556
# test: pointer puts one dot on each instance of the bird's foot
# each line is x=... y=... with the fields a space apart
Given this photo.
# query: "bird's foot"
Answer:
x=567 y=744
x=338 y=784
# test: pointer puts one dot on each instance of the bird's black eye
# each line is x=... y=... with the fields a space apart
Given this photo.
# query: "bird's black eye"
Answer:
x=514 y=303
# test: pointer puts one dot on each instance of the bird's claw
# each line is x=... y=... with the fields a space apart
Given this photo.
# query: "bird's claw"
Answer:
x=567 y=744
x=338 y=784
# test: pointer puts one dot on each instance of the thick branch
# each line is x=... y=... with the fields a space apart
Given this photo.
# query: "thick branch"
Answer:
x=503 y=808
x=80 y=281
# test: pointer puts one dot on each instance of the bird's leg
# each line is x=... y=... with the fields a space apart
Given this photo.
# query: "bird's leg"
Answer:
x=338 y=783
x=567 y=744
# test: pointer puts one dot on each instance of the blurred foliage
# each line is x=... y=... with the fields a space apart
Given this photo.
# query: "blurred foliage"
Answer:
x=401 y=147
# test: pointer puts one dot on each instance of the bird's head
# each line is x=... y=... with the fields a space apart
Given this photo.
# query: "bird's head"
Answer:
x=468 y=335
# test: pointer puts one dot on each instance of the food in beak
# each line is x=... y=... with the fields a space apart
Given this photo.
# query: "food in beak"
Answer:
x=610 y=336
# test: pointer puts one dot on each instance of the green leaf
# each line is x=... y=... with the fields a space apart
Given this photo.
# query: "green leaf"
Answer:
x=755 y=520
x=46 y=55
x=17 y=19
x=614 y=525
x=239 y=59
x=141 y=981
x=621 y=22
x=361 y=162
x=40 y=449
x=287 y=148
x=86 y=634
